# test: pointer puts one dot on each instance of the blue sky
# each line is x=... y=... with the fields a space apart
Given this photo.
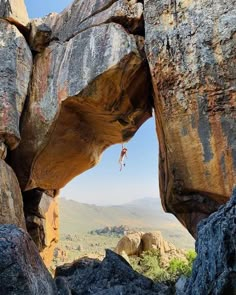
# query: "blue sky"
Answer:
x=105 y=184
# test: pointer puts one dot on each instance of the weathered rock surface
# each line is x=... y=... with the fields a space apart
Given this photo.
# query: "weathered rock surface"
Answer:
x=214 y=270
x=82 y=100
x=21 y=268
x=137 y=243
x=131 y=244
x=40 y=35
x=15 y=74
x=191 y=50
x=14 y=11
x=41 y=212
x=110 y=277
x=81 y=15
x=3 y=150
x=11 y=203
x=168 y=251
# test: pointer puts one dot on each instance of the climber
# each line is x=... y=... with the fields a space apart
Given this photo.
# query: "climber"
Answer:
x=123 y=155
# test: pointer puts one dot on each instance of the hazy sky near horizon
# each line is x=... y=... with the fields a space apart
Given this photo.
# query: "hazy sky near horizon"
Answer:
x=105 y=184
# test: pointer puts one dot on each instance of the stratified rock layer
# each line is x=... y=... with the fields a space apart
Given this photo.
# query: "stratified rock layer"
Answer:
x=11 y=204
x=214 y=270
x=15 y=71
x=191 y=50
x=82 y=100
x=21 y=268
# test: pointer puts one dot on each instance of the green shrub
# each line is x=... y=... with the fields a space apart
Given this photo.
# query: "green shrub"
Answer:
x=148 y=264
x=178 y=267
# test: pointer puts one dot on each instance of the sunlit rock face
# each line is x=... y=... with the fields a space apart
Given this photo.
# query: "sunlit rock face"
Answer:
x=15 y=12
x=191 y=50
x=15 y=71
x=86 y=94
x=11 y=204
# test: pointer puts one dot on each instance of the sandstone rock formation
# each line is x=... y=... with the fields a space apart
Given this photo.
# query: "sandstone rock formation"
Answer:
x=14 y=81
x=191 y=50
x=155 y=241
x=41 y=213
x=214 y=268
x=131 y=244
x=91 y=87
x=111 y=276
x=14 y=11
x=79 y=100
x=21 y=269
x=137 y=243
x=79 y=104
x=11 y=203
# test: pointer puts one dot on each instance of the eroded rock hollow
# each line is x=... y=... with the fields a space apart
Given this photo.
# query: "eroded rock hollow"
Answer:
x=77 y=82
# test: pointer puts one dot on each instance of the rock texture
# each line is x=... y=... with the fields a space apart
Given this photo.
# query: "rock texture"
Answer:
x=81 y=15
x=137 y=243
x=14 y=11
x=90 y=88
x=111 y=276
x=80 y=103
x=21 y=269
x=155 y=241
x=41 y=212
x=131 y=244
x=191 y=50
x=11 y=204
x=14 y=80
x=214 y=270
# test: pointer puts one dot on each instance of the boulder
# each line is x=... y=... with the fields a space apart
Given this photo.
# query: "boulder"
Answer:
x=14 y=11
x=41 y=212
x=14 y=81
x=138 y=242
x=82 y=100
x=11 y=203
x=191 y=50
x=214 y=270
x=111 y=276
x=21 y=268
x=168 y=251
x=131 y=244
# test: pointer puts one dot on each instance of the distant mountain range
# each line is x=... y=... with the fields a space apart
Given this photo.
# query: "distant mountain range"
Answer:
x=143 y=214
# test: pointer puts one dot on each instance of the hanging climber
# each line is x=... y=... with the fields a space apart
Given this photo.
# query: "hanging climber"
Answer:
x=123 y=155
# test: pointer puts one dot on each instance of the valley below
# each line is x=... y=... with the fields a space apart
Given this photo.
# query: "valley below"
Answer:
x=87 y=230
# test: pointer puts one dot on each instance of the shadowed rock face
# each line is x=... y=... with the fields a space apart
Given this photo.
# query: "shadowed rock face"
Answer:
x=42 y=222
x=214 y=267
x=111 y=276
x=21 y=269
x=191 y=50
